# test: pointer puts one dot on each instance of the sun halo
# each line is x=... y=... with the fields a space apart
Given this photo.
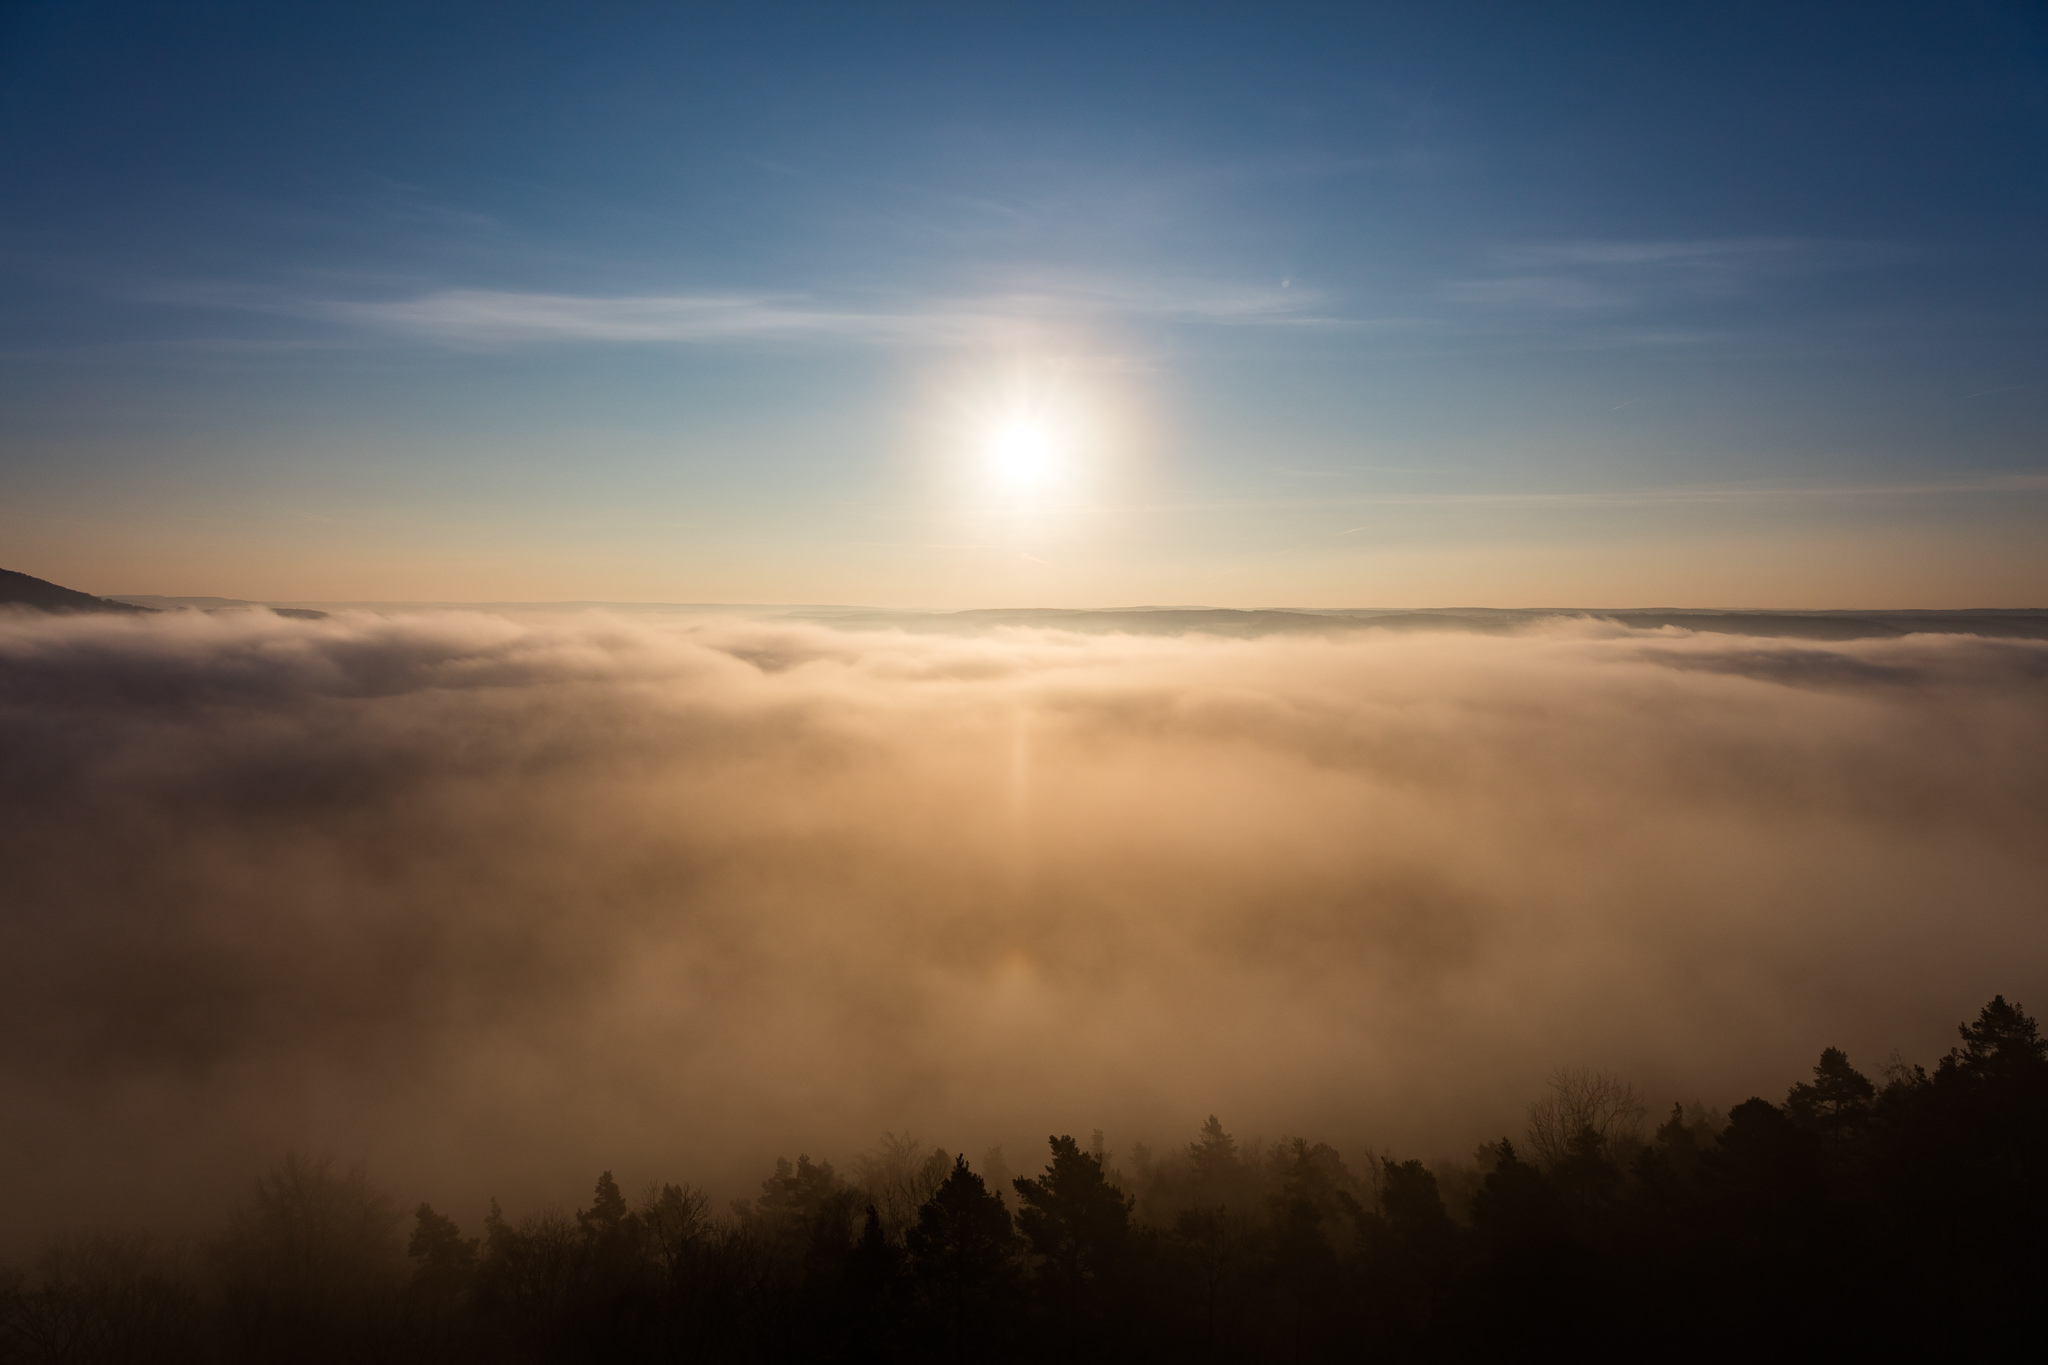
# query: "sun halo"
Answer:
x=1023 y=451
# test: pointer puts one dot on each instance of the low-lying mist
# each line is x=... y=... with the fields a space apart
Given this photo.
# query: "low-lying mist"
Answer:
x=490 y=904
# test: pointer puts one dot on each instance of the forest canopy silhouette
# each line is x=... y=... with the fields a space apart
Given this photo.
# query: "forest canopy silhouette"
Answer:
x=485 y=903
x=1890 y=1220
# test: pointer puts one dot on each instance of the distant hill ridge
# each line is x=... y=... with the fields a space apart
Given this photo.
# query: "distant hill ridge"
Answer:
x=22 y=590
x=1803 y=625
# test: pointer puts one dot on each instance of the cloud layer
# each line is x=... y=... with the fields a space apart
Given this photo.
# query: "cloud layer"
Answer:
x=490 y=318
x=491 y=903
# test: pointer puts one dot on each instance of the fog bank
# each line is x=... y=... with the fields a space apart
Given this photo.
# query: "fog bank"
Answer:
x=491 y=904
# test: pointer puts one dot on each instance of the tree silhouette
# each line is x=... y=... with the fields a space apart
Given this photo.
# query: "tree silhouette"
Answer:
x=1214 y=1156
x=2003 y=1046
x=874 y=1272
x=962 y=1256
x=1978 y=1131
x=1078 y=1227
x=444 y=1261
x=1310 y=1209
x=1073 y=1218
x=898 y=1175
x=1853 y=1221
x=962 y=1239
x=305 y=1227
x=679 y=1228
x=1580 y=1103
x=528 y=1274
x=101 y=1298
x=606 y=1217
x=1837 y=1095
x=311 y=1254
x=1516 y=1209
x=1413 y=1208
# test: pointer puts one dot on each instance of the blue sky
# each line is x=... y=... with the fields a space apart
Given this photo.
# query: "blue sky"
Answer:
x=1359 y=305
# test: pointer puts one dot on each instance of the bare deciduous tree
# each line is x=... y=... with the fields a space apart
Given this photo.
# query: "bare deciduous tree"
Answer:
x=679 y=1226
x=1582 y=1104
x=100 y=1297
x=305 y=1226
x=898 y=1177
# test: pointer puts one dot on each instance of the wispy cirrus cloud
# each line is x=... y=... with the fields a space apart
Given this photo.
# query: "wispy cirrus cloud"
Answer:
x=1590 y=276
x=480 y=316
x=504 y=317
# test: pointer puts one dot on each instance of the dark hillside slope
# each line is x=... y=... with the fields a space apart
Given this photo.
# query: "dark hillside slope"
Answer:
x=20 y=590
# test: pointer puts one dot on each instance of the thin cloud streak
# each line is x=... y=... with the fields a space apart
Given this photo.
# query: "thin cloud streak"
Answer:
x=486 y=317
x=503 y=318
x=1587 y=284
x=1583 y=277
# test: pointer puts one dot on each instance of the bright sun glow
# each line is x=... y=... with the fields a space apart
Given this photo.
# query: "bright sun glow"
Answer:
x=1023 y=452
x=1027 y=450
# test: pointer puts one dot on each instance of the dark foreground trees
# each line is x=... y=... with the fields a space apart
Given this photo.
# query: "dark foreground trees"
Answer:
x=1855 y=1220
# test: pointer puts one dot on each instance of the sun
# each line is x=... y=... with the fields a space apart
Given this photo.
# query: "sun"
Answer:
x=1025 y=448
x=1023 y=452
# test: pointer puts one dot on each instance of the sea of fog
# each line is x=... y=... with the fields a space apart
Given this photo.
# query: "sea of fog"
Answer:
x=490 y=901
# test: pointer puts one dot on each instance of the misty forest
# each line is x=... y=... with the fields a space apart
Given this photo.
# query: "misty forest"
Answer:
x=1893 y=1217
x=505 y=955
